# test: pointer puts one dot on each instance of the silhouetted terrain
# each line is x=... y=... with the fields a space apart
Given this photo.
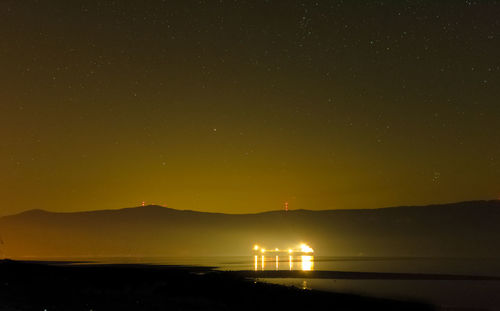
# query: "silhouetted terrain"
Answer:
x=37 y=286
x=462 y=229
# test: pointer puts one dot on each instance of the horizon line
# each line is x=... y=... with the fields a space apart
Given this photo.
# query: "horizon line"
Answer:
x=257 y=213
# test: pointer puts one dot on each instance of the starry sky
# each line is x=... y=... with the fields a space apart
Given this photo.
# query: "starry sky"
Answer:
x=239 y=106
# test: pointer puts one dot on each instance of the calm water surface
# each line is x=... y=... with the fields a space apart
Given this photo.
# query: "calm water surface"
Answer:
x=464 y=294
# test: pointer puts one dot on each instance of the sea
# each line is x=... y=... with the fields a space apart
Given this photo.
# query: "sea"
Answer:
x=446 y=294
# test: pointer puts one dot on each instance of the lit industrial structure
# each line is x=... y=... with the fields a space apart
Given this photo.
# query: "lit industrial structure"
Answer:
x=302 y=249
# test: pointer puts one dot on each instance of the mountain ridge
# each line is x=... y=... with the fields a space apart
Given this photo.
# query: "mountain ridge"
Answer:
x=458 y=229
x=153 y=206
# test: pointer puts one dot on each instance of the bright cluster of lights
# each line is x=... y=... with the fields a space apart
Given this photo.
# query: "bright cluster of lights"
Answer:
x=306 y=248
x=303 y=248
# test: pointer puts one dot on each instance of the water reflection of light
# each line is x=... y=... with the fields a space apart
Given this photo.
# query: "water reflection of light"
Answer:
x=307 y=263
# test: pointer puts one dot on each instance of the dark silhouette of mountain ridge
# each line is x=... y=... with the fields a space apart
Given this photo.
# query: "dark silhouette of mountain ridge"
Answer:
x=465 y=229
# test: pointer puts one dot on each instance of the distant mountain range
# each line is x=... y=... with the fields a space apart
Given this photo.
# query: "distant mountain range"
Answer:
x=466 y=229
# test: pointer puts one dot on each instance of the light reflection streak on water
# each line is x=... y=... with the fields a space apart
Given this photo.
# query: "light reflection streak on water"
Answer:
x=306 y=263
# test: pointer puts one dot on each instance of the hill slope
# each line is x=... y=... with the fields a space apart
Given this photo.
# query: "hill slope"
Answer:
x=461 y=229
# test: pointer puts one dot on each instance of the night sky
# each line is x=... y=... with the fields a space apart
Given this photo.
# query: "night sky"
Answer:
x=238 y=106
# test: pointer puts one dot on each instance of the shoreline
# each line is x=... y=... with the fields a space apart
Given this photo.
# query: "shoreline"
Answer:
x=55 y=286
x=353 y=275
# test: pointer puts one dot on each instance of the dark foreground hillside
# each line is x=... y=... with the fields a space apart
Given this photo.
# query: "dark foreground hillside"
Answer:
x=51 y=287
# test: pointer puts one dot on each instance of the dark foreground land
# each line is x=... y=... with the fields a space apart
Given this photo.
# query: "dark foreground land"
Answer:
x=56 y=286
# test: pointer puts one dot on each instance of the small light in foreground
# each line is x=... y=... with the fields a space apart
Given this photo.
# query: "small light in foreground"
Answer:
x=304 y=285
x=263 y=250
x=256 y=247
